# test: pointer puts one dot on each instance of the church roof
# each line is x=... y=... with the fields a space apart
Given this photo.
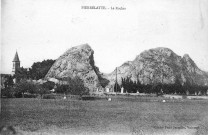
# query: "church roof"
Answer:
x=16 y=58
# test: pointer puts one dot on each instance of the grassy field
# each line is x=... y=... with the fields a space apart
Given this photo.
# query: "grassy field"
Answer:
x=122 y=115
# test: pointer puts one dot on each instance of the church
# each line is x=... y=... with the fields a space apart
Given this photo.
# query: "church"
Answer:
x=15 y=67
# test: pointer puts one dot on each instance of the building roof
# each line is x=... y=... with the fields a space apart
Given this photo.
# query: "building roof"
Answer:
x=16 y=58
x=4 y=75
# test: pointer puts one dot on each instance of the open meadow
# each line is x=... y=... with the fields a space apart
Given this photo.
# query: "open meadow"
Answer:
x=121 y=115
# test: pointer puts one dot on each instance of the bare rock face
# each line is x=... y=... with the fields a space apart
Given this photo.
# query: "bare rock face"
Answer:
x=192 y=72
x=160 y=65
x=77 y=61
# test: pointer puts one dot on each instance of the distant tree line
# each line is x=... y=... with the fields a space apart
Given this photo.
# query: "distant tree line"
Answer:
x=27 y=88
x=159 y=88
x=37 y=71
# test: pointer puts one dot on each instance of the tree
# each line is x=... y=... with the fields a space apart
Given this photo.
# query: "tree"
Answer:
x=157 y=88
x=147 y=88
x=21 y=73
x=103 y=82
x=168 y=88
x=134 y=87
x=139 y=86
x=49 y=85
x=62 y=89
x=9 y=81
x=186 y=87
x=177 y=86
x=74 y=86
x=130 y=86
x=40 y=69
x=42 y=90
x=24 y=86
x=117 y=87
x=8 y=92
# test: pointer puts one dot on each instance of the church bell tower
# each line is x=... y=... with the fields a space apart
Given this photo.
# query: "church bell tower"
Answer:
x=16 y=65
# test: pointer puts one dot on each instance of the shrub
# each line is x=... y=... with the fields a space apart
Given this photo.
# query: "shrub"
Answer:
x=41 y=90
x=88 y=98
x=48 y=97
x=24 y=87
x=49 y=85
x=74 y=86
x=8 y=92
x=62 y=88
x=30 y=95
x=31 y=89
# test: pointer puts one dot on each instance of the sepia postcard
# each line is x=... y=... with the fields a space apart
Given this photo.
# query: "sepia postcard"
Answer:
x=129 y=67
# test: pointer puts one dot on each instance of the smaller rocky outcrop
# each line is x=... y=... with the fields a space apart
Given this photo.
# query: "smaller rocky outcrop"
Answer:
x=78 y=61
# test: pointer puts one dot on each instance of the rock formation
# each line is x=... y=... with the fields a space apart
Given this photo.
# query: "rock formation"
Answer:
x=78 y=61
x=160 y=65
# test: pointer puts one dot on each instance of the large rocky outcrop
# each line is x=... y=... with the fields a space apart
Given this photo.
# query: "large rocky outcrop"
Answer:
x=160 y=65
x=151 y=66
x=78 y=61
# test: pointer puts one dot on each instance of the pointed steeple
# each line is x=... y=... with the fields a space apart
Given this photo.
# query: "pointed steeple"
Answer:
x=16 y=66
x=16 y=58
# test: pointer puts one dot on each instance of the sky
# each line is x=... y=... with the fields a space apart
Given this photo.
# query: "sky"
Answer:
x=45 y=29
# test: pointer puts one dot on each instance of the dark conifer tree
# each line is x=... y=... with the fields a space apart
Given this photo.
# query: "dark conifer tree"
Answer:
x=117 y=87
x=178 y=87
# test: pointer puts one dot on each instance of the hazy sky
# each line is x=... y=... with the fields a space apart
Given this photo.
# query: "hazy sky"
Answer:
x=45 y=29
